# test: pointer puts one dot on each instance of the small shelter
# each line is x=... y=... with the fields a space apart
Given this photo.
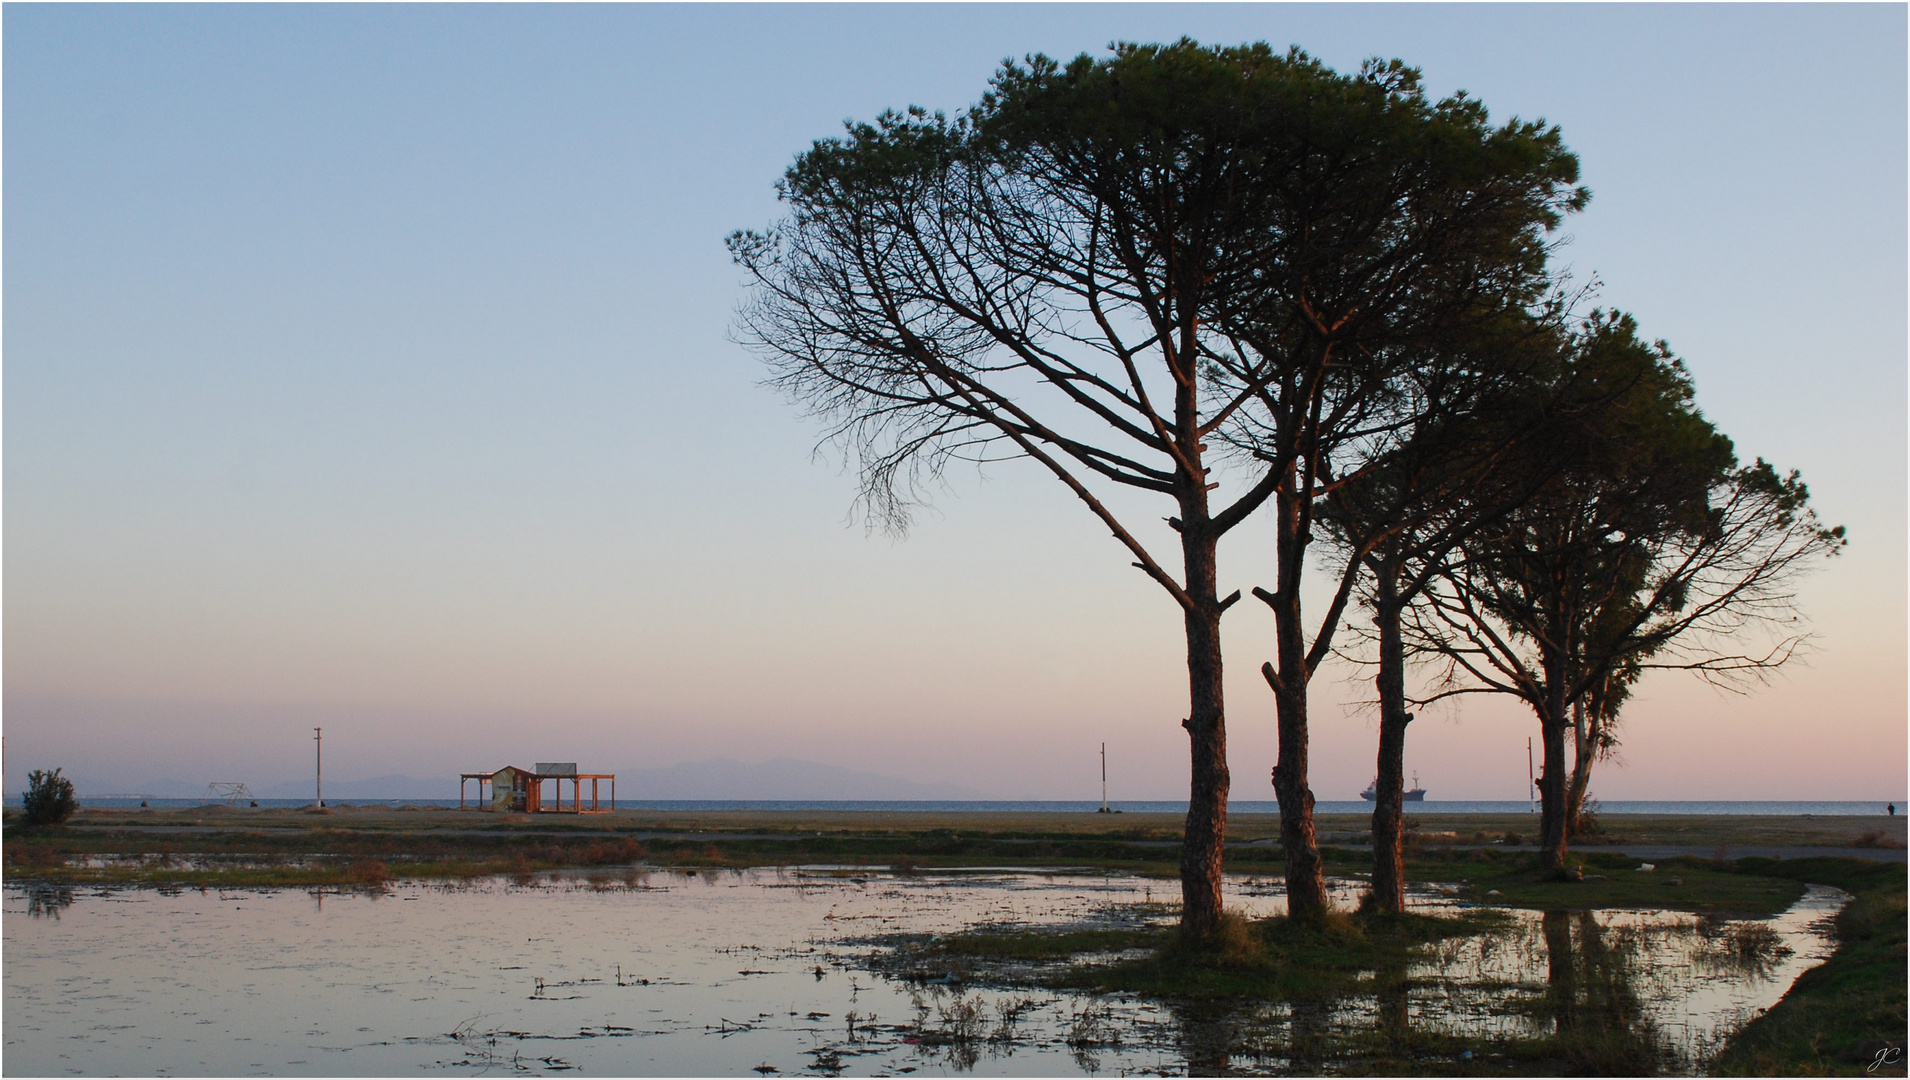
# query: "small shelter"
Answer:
x=524 y=790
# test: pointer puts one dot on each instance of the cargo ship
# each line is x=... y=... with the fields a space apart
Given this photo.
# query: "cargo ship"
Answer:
x=1411 y=794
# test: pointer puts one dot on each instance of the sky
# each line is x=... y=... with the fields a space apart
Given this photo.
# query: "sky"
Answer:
x=373 y=367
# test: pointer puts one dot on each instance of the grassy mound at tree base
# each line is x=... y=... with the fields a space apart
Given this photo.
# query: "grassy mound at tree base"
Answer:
x=1278 y=958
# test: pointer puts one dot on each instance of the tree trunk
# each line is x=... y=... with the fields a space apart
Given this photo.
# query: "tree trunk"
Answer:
x=1389 y=859
x=1204 y=835
x=1584 y=751
x=1204 y=839
x=1553 y=787
x=1306 y=883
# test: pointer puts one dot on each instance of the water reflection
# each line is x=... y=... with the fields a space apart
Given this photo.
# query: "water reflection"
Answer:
x=48 y=900
x=1746 y=948
x=1207 y=1036
x=794 y=969
x=1592 y=997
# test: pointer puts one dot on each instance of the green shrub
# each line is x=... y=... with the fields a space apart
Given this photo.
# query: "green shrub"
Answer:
x=49 y=798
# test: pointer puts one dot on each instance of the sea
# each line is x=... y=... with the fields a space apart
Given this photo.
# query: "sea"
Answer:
x=1851 y=808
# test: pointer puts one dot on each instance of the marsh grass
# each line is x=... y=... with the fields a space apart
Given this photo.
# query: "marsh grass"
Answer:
x=312 y=857
x=1843 y=1017
x=1026 y=945
x=1612 y=881
x=369 y=874
x=1278 y=958
x=1751 y=949
x=1587 y=1021
x=447 y=843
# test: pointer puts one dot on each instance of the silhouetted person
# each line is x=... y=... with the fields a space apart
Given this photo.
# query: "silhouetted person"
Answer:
x=1892 y=807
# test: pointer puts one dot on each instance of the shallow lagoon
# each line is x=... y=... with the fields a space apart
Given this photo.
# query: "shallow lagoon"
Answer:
x=727 y=972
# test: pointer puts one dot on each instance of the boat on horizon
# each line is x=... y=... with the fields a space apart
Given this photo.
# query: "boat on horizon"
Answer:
x=1412 y=794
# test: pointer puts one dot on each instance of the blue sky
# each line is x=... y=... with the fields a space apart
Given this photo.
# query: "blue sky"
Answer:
x=371 y=366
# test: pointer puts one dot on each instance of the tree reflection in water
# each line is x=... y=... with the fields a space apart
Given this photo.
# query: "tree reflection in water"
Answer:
x=1582 y=992
x=48 y=900
x=1302 y=1036
x=1209 y=1034
x=1392 y=1006
x=1592 y=998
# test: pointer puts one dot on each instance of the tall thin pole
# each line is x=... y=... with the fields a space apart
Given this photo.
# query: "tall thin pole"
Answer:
x=318 y=736
x=1531 y=778
x=1104 y=778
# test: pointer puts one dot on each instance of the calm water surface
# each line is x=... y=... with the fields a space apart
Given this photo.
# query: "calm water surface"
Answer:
x=720 y=974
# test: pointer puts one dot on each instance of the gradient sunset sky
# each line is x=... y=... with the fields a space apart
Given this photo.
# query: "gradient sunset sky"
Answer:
x=371 y=367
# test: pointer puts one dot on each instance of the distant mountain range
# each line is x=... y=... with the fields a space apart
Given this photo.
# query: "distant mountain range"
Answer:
x=718 y=778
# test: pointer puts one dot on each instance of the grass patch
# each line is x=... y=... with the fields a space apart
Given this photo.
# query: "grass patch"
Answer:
x=1613 y=880
x=1597 y=1026
x=287 y=856
x=1280 y=958
x=1047 y=945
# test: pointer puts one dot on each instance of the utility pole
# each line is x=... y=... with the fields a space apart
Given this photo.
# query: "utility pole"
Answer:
x=318 y=736
x=1104 y=779
x=1531 y=778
